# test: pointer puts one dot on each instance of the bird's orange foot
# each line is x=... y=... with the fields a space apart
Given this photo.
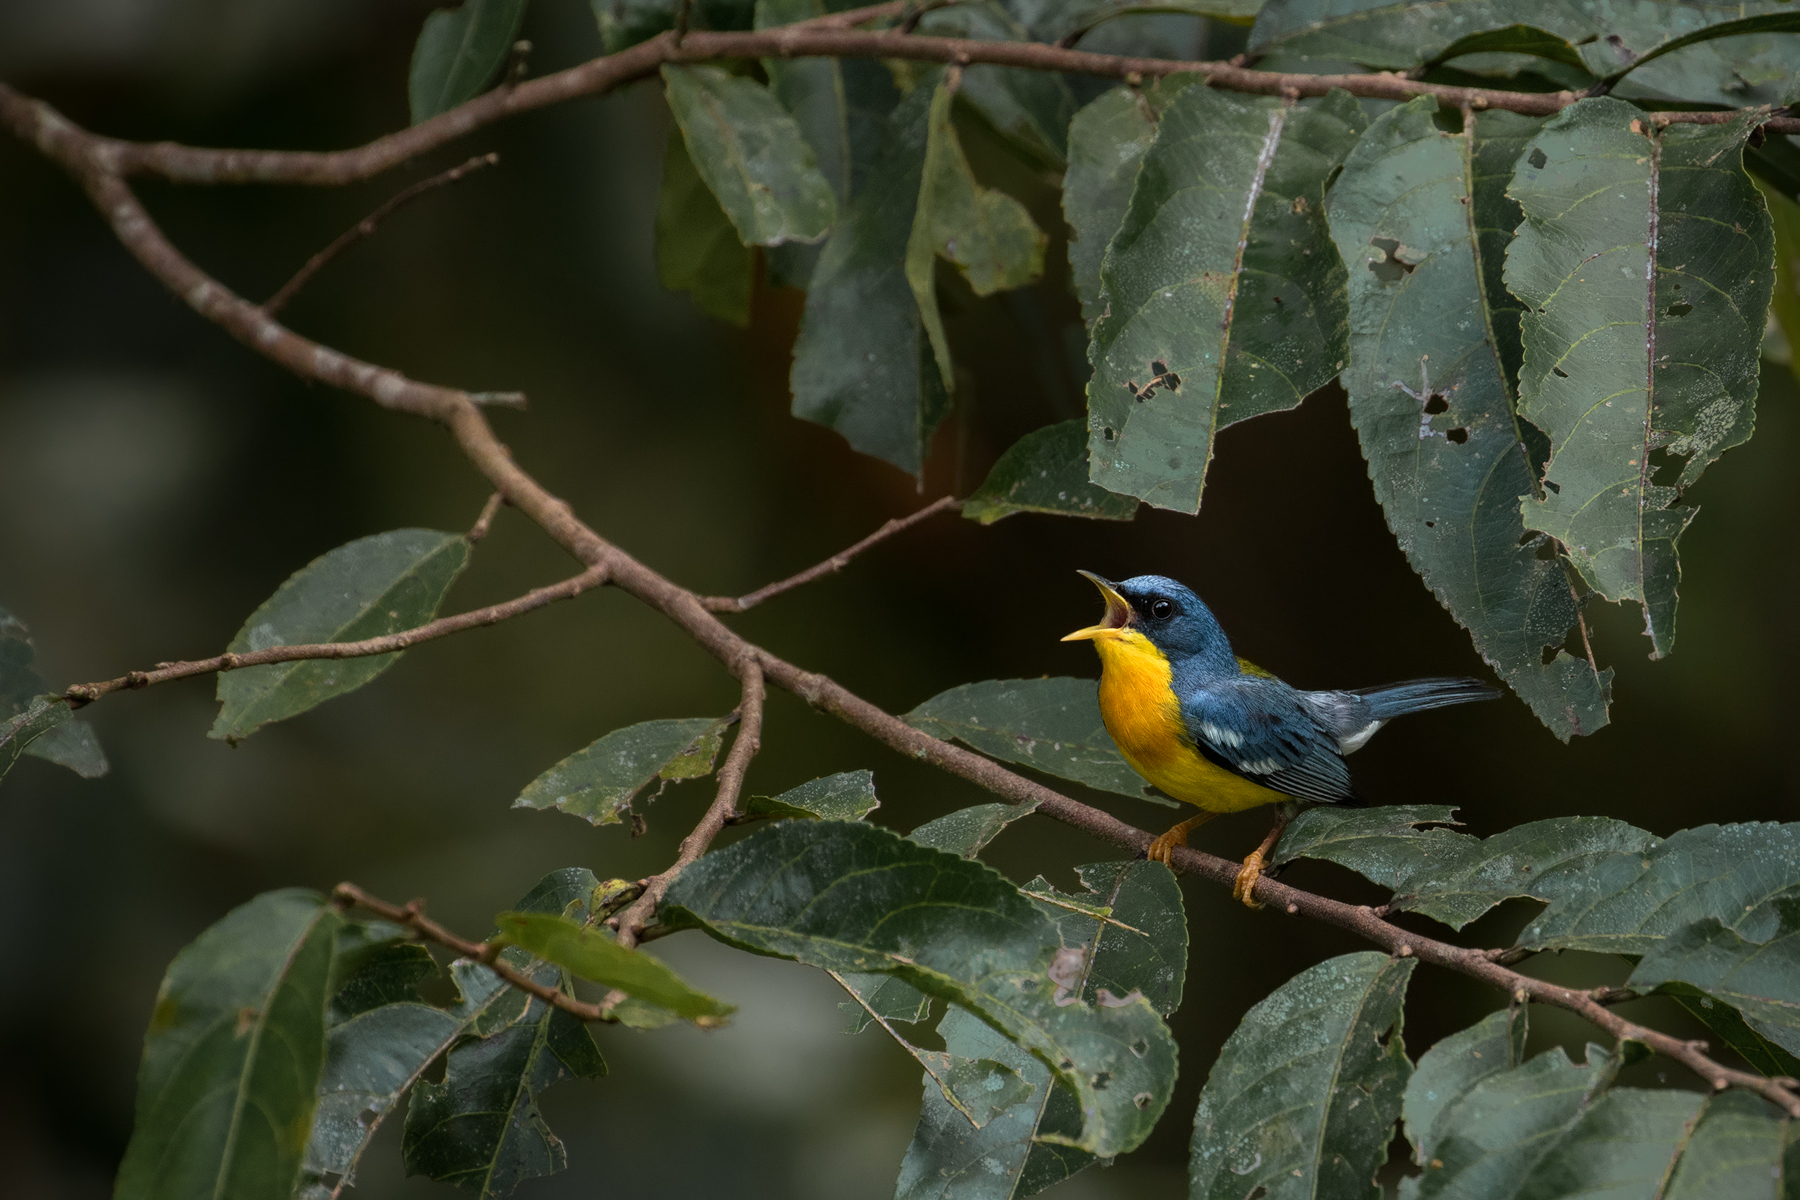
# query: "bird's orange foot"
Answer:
x=1164 y=847
x=1246 y=881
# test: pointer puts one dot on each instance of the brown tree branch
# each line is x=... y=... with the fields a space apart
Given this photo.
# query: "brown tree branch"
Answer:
x=92 y=162
x=832 y=565
x=630 y=923
x=367 y=226
x=86 y=693
x=42 y=125
x=485 y=521
x=412 y=915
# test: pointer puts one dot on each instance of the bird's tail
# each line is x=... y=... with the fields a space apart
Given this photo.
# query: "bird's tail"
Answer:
x=1415 y=695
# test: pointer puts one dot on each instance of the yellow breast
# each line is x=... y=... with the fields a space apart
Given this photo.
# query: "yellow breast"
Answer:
x=1143 y=715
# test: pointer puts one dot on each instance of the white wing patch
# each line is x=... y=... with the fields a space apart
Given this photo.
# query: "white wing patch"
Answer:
x=1224 y=737
x=1356 y=741
x=1264 y=766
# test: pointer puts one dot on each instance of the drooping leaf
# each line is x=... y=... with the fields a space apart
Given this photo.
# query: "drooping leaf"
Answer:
x=1304 y=1096
x=812 y=91
x=1107 y=142
x=67 y=743
x=1728 y=1025
x=988 y=235
x=1738 y=1148
x=232 y=1055
x=1221 y=298
x=1126 y=935
x=592 y=955
x=1629 y=902
x=1030 y=109
x=599 y=782
x=1052 y=725
x=1761 y=980
x=886 y=996
x=1421 y=218
x=851 y=897
x=1451 y=1069
x=1646 y=267
x=1046 y=471
x=480 y=1128
x=863 y=362
x=1490 y=1137
x=375 y=1053
x=697 y=250
x=752 y=155
x=369 y=588
x=847 y=796
x=967 y=831
x=459 y=52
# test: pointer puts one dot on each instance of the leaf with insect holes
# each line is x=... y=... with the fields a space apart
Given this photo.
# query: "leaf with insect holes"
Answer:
x=1051 y=725
x=458 y=52
x=226 y=1090
x=847 y=896
x=480 y=1128
x=1221 y=298
x=697 y=250
x=599 y=782
x=1422 y=219
x=371 y=587
x=863 y=361
x=846 y=796
x=1303 y=1098
x=1646 y=266
x=751 y=154
x=1046 y=471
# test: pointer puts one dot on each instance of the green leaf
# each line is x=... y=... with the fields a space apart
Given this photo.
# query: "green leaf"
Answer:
x=851 y=897
x=1107 y=142
x=1760 y=980
x=1738 y=1148
x=1055 y=20
x=1451 y=1069
x=752 y=155
x=1051 y=725
x=967 y=831
x=458 y=52
x=1386 y=845
x=1623 y=58
x=480 y=1128
x=1488 y=1139
x=25 y=729
x=371 y=587
x=1304 y=1096
x=1627 y=903
x=1029 y=109
x=697 y=250
x=1421 y=218
x=1608 y=209
x=863 y=362
x=988 y=235
x=1379 y=34
x=625 y=23
x=1221 y=298
x=599 y=782
x=233 y=1054
x=1046 y=471
x=847 y=796
x=1133 y=941
x=591 y=955
x=1728 y=1025
x=886 y=996
x=44 y=734
x=1784 y=215
x=812 y=91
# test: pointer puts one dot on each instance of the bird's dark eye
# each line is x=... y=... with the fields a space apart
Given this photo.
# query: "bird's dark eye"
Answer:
x=1162 y=610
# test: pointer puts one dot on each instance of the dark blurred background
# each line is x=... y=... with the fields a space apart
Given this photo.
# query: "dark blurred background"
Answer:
x=158 y=481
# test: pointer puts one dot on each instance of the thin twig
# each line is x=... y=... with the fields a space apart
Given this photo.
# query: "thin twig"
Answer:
x=485 y=521
x=367 y=226
x=412 y=915
x=96 y=163
x=86 y=693
x=630 y=923
x=835 y=563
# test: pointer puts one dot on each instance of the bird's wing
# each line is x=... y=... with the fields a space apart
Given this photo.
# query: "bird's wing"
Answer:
x=1260 y=729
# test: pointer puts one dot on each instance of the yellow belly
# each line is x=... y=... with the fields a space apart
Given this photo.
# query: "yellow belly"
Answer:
x=1144 y=718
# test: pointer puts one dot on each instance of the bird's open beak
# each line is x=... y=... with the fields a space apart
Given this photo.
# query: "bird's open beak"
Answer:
x=1118 y=612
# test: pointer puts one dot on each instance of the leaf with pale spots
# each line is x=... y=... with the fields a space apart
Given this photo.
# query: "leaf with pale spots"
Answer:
x=846 y=796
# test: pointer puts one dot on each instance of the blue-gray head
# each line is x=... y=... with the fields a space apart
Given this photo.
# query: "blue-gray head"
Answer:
x=1167 y=614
